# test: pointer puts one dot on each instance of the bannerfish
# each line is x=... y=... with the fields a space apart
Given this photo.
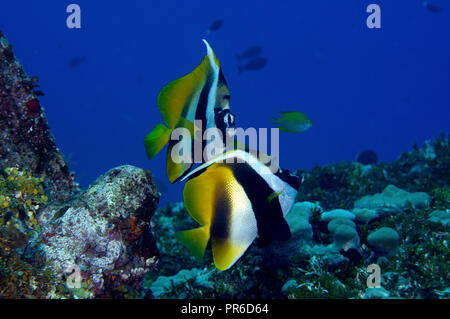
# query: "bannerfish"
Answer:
x=432 y=7
x=292 y=122
x=216 y=25
x=251 y=52
x=201 y=95
x=255 y=64
x=236 y=198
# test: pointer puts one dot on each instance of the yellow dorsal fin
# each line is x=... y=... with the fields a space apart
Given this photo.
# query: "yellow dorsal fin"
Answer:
x=196 y=240
x=181 y=95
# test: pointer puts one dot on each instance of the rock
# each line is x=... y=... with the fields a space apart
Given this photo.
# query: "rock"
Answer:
x=364 y=215
x=298 y=220
x=346 y=238
x=337 y=213
x=393 y=196
x=440 y=216
x=384 y=240
x=377 y=292
x=345 y=235
x=105 y=231
x=328 y=252
x=301 y=232
x=163 y=284
x=290 y=284
x=335 y=223
x=26 y=140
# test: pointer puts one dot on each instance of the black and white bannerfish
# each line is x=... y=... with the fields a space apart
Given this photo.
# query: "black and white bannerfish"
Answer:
x=236 y=198
x=201 y=95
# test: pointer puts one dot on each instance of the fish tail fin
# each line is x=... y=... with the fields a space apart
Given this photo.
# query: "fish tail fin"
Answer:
x=156 y=140
x=195 y=240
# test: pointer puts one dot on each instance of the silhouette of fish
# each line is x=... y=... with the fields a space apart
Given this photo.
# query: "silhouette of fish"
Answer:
x=251 y=52
x=255 y=64
x=216 y=25
x=431 y=7
x=74 y=62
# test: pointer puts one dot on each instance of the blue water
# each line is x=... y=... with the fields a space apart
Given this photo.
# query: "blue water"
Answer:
x=383 y=89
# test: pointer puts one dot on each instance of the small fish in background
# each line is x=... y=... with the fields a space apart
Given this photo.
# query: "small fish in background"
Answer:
x=251 y=52
x=216 y=25
x=255 y=64
x=292 y=122
x=74 y=62
x=431 y=7
x=236 y=198
x=367 y=157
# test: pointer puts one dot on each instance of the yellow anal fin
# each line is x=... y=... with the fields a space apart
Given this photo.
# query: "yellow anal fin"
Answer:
x=226 y=253
x=156 y=140
x=195 y=240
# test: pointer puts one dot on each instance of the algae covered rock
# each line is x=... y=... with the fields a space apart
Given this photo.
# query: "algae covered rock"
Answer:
x=26 y=140
x=164 y=284
x=384 y=240
x=376 y=293
x=337 y=213
x=105 y=232
x=345 y=234
x=335 y=223
x=298 y=220
x=440 y=216
x=364 y=215
x=393 y=196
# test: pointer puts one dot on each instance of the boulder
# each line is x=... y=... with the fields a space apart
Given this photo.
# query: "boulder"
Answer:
x=105 y=232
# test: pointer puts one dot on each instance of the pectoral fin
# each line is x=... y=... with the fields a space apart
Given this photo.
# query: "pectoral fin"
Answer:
x=156 y=140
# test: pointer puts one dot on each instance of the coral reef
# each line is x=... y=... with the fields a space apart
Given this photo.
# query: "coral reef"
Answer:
x=26 y=141
x=22 y=273
x=393 y=196
x=48 y=226
x=406 y=234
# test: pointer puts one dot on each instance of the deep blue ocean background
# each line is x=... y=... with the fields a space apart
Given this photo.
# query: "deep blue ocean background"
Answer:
x=383 y=89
